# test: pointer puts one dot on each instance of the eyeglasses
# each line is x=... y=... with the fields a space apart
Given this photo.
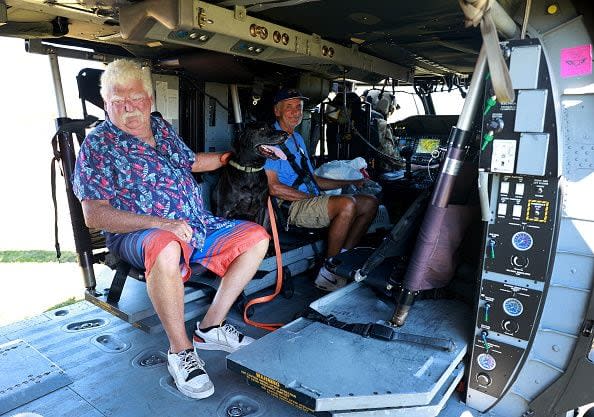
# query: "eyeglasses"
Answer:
x=134 y=101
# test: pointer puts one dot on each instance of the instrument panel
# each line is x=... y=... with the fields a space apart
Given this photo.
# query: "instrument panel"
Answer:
x=518 y=153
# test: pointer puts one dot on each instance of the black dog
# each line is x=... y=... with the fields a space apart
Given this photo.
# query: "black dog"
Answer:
x=242 y=190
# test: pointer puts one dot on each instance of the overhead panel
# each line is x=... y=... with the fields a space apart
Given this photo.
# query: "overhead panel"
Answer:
x=203 y=25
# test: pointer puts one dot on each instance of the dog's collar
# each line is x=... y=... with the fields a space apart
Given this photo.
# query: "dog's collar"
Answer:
x=244 y=169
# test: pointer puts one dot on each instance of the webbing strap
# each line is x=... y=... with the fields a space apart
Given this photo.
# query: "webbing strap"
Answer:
x=304 y=174
x=479 y=12
x=279 y=278
x=379 y=331
x=500 y=77
x=55 y=160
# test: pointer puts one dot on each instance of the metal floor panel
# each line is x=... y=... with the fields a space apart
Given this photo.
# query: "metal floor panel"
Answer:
x=25 y=375
x=104 y=356
x=118 y=370
x=325 y=368
x=63 y=403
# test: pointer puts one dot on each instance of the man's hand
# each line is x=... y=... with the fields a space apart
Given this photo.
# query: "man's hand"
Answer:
x=225 y=157
x=180 y=228
x=359 y=183
x=208 y=161
x=99 y=214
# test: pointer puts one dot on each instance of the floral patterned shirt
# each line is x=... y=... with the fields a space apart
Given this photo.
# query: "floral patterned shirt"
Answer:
x=134 y=176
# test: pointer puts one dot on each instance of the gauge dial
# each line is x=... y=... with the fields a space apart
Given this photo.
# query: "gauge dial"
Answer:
x=513 y=307
x=486 y=361
x=522 y=241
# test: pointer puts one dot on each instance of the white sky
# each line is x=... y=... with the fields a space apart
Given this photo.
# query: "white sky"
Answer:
x=27 y=114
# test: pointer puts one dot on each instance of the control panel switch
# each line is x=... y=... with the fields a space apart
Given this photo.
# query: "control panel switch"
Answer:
x=519 y=261
x=495 y=125
x=520 y=188
x=492 y=248
x=517 y=210
x=511 y=326
x=502 y=209
x=483 y=379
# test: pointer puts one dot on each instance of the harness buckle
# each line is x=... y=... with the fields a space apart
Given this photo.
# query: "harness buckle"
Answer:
x=379 y=331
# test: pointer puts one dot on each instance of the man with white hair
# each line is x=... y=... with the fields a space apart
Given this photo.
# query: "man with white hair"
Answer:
x=134 y=179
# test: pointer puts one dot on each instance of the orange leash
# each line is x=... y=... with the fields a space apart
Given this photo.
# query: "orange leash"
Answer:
x=279 y=278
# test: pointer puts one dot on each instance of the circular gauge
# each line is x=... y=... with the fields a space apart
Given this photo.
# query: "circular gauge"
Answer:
x=522 y=241
x=486 y=361
x=513 y=307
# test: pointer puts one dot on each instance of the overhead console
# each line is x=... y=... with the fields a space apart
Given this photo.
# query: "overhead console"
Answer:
x=519 y=159
x=204 y=25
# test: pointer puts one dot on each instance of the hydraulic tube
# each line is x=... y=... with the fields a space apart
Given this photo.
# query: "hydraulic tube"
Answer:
x=236 y=105
x=414 y=279
x=459 y=136
x=82 y=238
x=57 y=81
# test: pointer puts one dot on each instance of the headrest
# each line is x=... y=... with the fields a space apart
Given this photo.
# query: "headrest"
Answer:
x=382 y=102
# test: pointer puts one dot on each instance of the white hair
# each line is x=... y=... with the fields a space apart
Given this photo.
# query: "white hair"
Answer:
x=122 y=72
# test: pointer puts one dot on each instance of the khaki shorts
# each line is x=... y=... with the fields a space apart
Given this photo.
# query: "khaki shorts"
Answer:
x=311 y=212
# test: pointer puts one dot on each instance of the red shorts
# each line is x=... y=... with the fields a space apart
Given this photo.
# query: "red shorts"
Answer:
x=221 y=247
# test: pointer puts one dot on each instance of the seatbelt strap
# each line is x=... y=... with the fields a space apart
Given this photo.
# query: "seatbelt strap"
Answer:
x=304 y=174
x=379 y=331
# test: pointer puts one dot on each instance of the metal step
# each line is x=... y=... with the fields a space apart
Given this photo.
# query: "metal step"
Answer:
x=430 y=410
x=322 y=368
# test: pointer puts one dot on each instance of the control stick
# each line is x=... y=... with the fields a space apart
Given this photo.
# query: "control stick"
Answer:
x=407 y=153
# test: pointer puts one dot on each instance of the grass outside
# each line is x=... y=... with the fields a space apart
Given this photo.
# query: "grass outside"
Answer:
x=65 y=303
x=35 y=281
x=11 y=256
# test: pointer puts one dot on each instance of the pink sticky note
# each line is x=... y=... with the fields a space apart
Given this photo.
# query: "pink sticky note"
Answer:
x=576 y=61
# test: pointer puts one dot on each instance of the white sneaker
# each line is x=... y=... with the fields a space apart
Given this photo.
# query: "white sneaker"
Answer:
x=225 y=337
x=189 y=375
x=329 y=281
